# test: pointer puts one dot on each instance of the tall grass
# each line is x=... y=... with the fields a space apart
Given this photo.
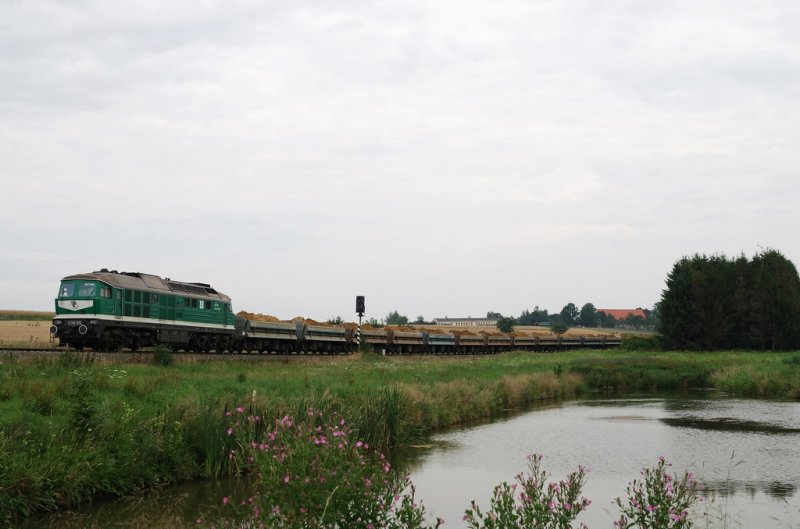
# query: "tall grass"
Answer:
x=72 y=428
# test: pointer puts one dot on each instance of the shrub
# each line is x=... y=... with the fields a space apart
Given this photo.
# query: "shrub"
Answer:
x=313 y=474
x=659 y=501
x=162 y=356
x=537 y=504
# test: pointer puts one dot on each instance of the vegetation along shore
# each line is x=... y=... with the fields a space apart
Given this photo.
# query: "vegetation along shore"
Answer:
x=73 y=429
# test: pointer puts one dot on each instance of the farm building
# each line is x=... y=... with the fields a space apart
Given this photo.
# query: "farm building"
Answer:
x=466 y=322
x=622 y=314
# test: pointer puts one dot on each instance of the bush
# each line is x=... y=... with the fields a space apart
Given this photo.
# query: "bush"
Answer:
x=538 y=504
x=642 y=343
x=162 y=356
x=313 y=474
x=660 y=501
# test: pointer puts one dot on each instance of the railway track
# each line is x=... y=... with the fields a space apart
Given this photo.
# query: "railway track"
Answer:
x=148 y=355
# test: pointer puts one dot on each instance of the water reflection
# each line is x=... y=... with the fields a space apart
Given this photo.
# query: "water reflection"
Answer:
x=728 y=424
x=179 y=507
x=728 y=488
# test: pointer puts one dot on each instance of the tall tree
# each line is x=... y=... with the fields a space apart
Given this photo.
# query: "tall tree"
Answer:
x=717 y=303
x=570 y=314
x=775 y=301
x=588 y=315
x=677 y=311
x=505 y=324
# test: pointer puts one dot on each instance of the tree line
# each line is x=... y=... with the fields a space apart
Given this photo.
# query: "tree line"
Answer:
x=713 y=302
x=569 y=316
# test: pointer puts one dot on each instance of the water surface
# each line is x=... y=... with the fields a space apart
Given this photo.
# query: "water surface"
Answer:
x=745 y=452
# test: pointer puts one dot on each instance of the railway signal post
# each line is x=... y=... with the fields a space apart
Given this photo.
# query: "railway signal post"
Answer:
x=360 y=311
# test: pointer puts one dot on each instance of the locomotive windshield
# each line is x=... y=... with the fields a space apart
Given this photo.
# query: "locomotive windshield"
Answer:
x=87 y=290
x=67 y=290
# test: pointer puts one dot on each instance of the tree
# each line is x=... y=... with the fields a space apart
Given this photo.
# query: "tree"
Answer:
x=559 y=327
x=606 y=320
x=336 y=321
x=775 y=301
x=493 y=315
x=634 y=321
x=570 y=314
x=506 y=324
x=420 y=320
x=526 y=318
x=717 y=303
x=395 y=318
x=654 y=317
x=588 y=316
x=535 y=317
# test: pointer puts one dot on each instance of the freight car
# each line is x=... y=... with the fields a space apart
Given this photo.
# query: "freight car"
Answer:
x=110 y=310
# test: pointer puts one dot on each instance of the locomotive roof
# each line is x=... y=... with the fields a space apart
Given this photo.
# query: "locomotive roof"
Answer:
x=150 y=282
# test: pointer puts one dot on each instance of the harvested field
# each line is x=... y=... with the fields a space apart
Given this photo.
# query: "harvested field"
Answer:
x=25 y=334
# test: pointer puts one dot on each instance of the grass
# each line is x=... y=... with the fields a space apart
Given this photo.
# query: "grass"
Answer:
x=72 y=429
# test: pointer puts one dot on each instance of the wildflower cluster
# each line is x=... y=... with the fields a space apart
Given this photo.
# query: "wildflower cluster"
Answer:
x=660 y=501
x=313 y=473
x=532 y=502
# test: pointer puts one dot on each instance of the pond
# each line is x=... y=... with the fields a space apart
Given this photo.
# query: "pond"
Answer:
x=746 y=452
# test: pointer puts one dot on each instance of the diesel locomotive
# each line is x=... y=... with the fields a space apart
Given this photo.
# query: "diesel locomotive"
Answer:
x=110 y=310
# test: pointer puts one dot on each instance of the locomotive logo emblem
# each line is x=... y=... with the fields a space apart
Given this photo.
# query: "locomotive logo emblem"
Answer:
x=74 y=304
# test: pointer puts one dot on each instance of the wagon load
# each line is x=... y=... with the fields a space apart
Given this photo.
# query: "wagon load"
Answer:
x=254 y=316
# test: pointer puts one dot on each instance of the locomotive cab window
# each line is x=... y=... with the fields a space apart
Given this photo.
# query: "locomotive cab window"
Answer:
x=67 y=290
x=105 y=292
x=87 y=290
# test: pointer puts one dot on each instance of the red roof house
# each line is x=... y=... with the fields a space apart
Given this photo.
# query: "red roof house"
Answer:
x=621 y=314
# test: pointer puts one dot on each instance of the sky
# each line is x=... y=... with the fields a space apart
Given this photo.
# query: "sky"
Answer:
x=440 y=158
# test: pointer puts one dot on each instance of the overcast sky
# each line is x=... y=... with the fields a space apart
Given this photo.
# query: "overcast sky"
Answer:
x=441 y=158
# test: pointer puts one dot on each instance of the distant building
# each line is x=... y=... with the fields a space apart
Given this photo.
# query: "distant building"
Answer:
x=466 y=322
x=622 y=314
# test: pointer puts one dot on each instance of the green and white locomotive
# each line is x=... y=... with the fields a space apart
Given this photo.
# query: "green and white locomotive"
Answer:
x=109 y=310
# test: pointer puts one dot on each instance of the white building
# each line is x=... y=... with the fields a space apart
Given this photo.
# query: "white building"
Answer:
x=466 y=322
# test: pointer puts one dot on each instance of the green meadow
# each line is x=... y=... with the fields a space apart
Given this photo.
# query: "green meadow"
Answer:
x=73 y=428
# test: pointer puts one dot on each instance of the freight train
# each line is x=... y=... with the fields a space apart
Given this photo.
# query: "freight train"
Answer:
x=110 y=310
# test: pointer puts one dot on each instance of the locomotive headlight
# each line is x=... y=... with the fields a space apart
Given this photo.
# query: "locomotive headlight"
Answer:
x=92 y=322
x=56 y=322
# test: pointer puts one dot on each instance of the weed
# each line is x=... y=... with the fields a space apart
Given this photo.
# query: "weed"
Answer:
x=162 y=356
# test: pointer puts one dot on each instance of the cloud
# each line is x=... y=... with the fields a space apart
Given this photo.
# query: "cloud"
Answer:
x=355 y=143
